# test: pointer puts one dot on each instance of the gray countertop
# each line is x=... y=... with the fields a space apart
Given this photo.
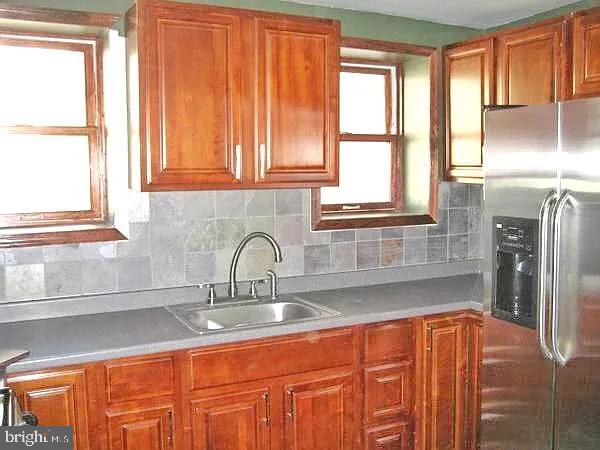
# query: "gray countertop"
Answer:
x=93 y=337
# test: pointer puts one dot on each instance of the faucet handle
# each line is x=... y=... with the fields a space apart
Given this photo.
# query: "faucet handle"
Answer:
x=212 y=295
x=253 y=292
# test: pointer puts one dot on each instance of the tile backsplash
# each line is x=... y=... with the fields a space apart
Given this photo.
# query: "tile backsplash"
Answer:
x=182 y=238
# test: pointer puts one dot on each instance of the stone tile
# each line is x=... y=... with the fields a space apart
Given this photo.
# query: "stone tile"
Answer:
x=62 y=278
x=134 y=273
x=437 y=249
x=343 y=257
x=166 y=206
x=293 y=261
x=24 y=281
x=392 y=233
x=289 y=230
x=288 y=202
x=199 y=205
x=458 y=247
x=25 y=255
x=317 y=259
x=392 y=252
x=99 y=250
x=314 y=237
x=2 y=258
x=416 y=231
x=138 y=243
x=98 y=275
x=258 y=261
x=2 y=284
x=230 y=204
x=415 y=251
x=367 y=254
x=230 y=232
x=458 y=220
x=70 y=252
x=459 y=195
x=264 y=224
x=167 y=238
x=224 y=257
x=369 y=234
x=476 y=195
x=475 y=250
x=200 y=267
x=201 y=236
x=444 y=195
x=343 y=236
x=260 y=203
x=168 y=269
x=474 y=220
x=441 y=228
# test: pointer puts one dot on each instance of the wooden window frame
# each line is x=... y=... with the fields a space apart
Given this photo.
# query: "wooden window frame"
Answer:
x=76 y=31
x=384 y=53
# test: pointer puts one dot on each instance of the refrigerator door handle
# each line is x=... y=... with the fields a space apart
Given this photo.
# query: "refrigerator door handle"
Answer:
x=543 y=235
x=562 y=202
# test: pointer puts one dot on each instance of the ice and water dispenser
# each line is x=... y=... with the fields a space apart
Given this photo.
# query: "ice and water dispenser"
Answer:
x=515 y=270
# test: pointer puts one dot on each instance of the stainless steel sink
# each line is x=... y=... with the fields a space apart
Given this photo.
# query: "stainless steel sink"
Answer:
x=205 y=319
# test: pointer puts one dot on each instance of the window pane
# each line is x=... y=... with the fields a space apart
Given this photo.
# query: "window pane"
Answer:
x=44 y=173
x=362 y=103
x=365 y=174
x=42 y=87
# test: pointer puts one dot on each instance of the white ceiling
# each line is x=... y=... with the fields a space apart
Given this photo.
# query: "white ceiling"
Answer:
x=471 y=13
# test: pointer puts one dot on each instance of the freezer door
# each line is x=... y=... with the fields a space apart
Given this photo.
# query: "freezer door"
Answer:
x=517 y=380
x=577 y=281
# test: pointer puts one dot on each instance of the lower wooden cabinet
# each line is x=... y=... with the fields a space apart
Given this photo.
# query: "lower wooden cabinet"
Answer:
x=145 y=429
x=319 y=414
x=400 y=385
x=233 y=421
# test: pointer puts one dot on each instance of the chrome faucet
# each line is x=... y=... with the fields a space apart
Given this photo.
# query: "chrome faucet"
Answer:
x=233 y=289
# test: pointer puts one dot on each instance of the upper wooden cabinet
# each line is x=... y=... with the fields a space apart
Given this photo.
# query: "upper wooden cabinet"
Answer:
x=530 y=65
x=586 y=54
x=297 y=101
x=226 y=98
x=469 y=85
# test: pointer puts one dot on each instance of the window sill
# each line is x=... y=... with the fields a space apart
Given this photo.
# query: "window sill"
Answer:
x=342 y=222
x=11 y=238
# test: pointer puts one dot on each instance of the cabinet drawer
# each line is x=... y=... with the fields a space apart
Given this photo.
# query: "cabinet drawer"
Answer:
x=388 y=391
x=136 y=379
x=394 y=436
x=391 y=340
x=270 y=358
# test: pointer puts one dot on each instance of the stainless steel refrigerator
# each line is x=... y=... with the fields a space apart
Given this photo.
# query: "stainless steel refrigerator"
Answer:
x=541 y=240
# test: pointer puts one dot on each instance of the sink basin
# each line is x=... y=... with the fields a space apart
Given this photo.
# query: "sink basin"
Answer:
x=204 y=319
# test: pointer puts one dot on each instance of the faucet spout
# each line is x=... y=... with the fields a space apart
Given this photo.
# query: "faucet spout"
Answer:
x=233 y=289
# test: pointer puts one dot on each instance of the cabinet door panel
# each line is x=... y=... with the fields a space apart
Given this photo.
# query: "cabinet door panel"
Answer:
x=146 y=429
x=445 y=385
x=586 y=54
x=193 y=96
x=388 y=391
x=473 y=416
x=469 y=86
x=236 y=421
x=298 y=73
x=530 y=65
x=319 y=414
x=57 y=399
x=394 y=436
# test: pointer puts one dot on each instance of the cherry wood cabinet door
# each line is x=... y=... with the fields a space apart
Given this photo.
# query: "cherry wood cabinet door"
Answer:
x=191 y=67
x=388 y=391
x=530 y=65
x=238 y=421
x=444 y=372
x=144 y=429
x=57 y=398
x=586 y=54
x=319 y=414
x=393 y=436
x=469 y=86
x=297 y=101
x=475 y=358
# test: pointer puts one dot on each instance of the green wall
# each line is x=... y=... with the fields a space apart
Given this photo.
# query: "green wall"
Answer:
x=357 y=24
x=577 y=6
